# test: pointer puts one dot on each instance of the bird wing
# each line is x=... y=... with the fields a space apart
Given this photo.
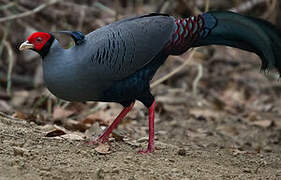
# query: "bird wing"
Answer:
x=124 y=47
x=77 y=36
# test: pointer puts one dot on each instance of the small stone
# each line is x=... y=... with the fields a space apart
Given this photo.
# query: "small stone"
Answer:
x=19 y=151
x=247 y=170
x=182 y=152
x=172 y=160
x=100 y=174
x=116 y=171
x=142 y=140
x=267 y=149
x=126 y=162
x=103 y=148
x=128 y=157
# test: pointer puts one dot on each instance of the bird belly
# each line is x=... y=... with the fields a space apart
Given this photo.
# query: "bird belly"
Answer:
x=73 y=92
x=73 y=86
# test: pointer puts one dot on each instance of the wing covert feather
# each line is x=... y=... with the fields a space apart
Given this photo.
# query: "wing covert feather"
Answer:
x=122 y=48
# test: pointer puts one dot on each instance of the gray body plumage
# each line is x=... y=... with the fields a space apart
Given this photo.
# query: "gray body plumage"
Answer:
x=108 y=55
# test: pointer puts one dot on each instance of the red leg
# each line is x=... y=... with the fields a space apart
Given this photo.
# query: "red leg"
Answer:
x=150 y=147
x=105 y=135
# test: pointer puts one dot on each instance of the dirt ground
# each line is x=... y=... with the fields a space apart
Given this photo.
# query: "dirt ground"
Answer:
x=26 y=153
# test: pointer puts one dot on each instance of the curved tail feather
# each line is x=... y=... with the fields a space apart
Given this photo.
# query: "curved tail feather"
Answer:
x=243 y=32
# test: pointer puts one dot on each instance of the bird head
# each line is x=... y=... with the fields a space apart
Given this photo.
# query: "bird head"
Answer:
x=39 y=42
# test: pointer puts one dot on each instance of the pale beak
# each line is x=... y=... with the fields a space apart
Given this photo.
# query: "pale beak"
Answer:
x=26 y=45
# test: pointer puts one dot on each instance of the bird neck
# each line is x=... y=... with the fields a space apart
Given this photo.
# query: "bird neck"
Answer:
x=46 y=48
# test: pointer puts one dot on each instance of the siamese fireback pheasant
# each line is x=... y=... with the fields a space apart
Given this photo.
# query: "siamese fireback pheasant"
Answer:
x=115 y=63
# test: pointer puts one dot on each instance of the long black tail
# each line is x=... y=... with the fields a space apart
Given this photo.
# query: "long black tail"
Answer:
x=243 y=32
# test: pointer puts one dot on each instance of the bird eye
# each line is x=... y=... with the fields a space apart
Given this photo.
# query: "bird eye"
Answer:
x=38 y=39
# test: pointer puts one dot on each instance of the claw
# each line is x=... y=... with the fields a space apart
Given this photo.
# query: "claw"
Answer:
x=103 y=139
x=94 y=142
x=145 y=151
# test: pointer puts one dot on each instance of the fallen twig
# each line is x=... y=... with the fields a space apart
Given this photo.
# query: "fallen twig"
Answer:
x=273 y=4
x=207 y=5
x=117 y=9
x=187 y=61
x=199 y=66
x=105 y=8
x=5 y=35
x=7 y=6
x=246 y=6
x=10 y=67
x=197 y=79
x=23 y=80
x=31 y=12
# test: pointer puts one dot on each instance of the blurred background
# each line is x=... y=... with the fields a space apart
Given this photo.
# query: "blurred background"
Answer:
x=219 y=94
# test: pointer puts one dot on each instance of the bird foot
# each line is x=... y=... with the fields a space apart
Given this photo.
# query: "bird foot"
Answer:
x=103 y=141
x=93 y=142
x=99 y=140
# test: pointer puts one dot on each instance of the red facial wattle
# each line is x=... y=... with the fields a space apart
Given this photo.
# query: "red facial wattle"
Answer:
x=39 y=39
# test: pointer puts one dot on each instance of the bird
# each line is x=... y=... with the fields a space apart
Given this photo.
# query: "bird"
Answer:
x=116 y=62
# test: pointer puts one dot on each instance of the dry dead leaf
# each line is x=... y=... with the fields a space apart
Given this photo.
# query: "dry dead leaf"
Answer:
x=91 y=119
x=228 y=130
x=24 y=116
x=118 y=135
x=103 y=148
x=262 y=123
x=20 y=115
x=253 y=116
x=54 y=133
x=75 y=125
x=4 y=106
x=233 y=95
x=132 y=142
x=72 y=136
x=94 y=131
x=47 y=127
x=198 y=133
x=19 y=98
x=236 y=152
x=277 y=124
x=102 y=117
x=60 y=113
x=76 y=107
x=207 y=113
